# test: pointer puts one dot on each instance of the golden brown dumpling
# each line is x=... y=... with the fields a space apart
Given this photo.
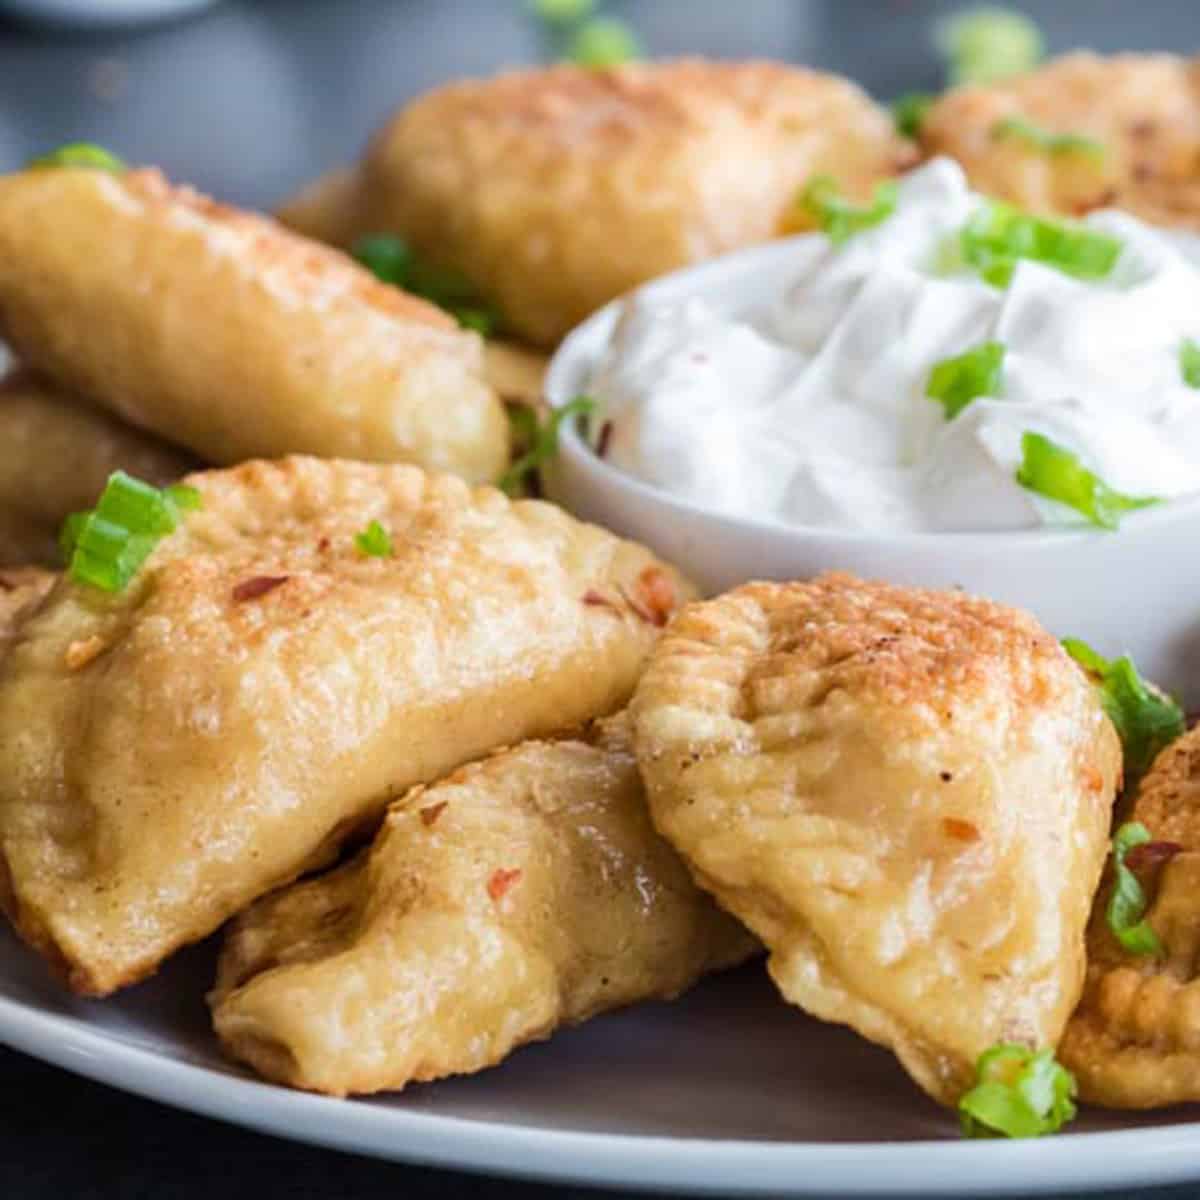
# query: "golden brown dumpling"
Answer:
x=263 y=688
x=1142 y=109
x=1134 y=1041
x=904 y=793
x=56 y=453
x=523 y=893
x=556 y=190
x=221 y=331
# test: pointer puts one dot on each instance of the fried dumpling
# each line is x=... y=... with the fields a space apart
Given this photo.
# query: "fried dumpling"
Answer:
x=264 y=687
x=904 y=793
x=225 y=333
x=537 y=872
x=56 y=452
x=555 y=190
x=1134 y=1041
x=1132 y=126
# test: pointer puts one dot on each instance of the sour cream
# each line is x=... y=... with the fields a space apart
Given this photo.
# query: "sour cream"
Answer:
x=812 y=408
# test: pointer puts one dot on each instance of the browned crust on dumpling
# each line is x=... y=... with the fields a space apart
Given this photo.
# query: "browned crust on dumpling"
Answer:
x=904 y=793
x=557 y=189
x=262 y=689
x=518 y=895
x=1144 y=109
x=223 y=332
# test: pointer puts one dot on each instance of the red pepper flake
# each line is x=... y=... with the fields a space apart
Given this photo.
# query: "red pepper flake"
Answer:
x=1151 y=854
x=960 y=831
x=323 y=546
x=603 y=439
x=430 y=815
x=260 y=585
x=655 y=596
x=595 y=599
x=501 y=881
x=1093 y=778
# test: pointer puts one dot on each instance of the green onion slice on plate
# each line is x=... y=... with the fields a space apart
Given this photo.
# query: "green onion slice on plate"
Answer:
x=1145 y=718
x=107 y=545
x=1126 y=912
x=542 y=441
x=1019 y=1093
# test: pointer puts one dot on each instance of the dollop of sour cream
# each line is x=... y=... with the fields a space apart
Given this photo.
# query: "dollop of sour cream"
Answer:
x=812 y=407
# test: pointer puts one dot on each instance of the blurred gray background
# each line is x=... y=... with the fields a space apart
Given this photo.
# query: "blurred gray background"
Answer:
x=252 y=98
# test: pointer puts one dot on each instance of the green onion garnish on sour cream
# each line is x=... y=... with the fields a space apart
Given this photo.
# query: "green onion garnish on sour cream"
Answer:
x=1043 y=140
x=998 y=236
x=1053 y=471
x=836 y=217
x=955 y=382
x=1145 y=718
x=80 y=154
x=107 y=545
x=1189 y=363
x=1019 y=1093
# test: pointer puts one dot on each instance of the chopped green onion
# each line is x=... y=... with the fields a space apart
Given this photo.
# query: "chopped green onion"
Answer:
x=544 y=444
x=837 y=217
x=1126 y=913
x=391 y=260
x=1053 y=471
x=908 y=112
x=386 y=256
x=562 y=12
x=80 y=154
x=987 y=44
x=1019 y=1093
x=1045 y=141
x=604 y=42
x=374 y=541
x=1145 y=718
x=1189 y=363
x=107 y=546
x=998 y=236
x=955 y=382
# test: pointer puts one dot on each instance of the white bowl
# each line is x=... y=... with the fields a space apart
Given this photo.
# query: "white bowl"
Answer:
x=1134 y=591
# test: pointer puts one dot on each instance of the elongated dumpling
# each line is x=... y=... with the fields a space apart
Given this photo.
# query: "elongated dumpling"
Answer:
x=56 y=452
x=225 y=333
x=1134 y=1041
x=1121 y=131
x=904 y=793
x=557 y=189
x=263 y=687
x=523 y=893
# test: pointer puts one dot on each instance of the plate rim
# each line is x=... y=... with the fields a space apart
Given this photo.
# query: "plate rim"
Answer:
x=1151 y=1157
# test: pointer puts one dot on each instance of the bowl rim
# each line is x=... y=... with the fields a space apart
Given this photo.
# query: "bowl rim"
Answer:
x=697 y=280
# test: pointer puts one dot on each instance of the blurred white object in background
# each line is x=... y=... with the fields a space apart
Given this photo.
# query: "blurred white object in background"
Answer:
x=98 y=13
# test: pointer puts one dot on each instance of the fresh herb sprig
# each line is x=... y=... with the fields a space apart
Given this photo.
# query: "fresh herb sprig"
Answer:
x=541 y=440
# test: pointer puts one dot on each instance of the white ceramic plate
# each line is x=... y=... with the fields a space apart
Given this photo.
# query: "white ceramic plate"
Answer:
x=726 y=1091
